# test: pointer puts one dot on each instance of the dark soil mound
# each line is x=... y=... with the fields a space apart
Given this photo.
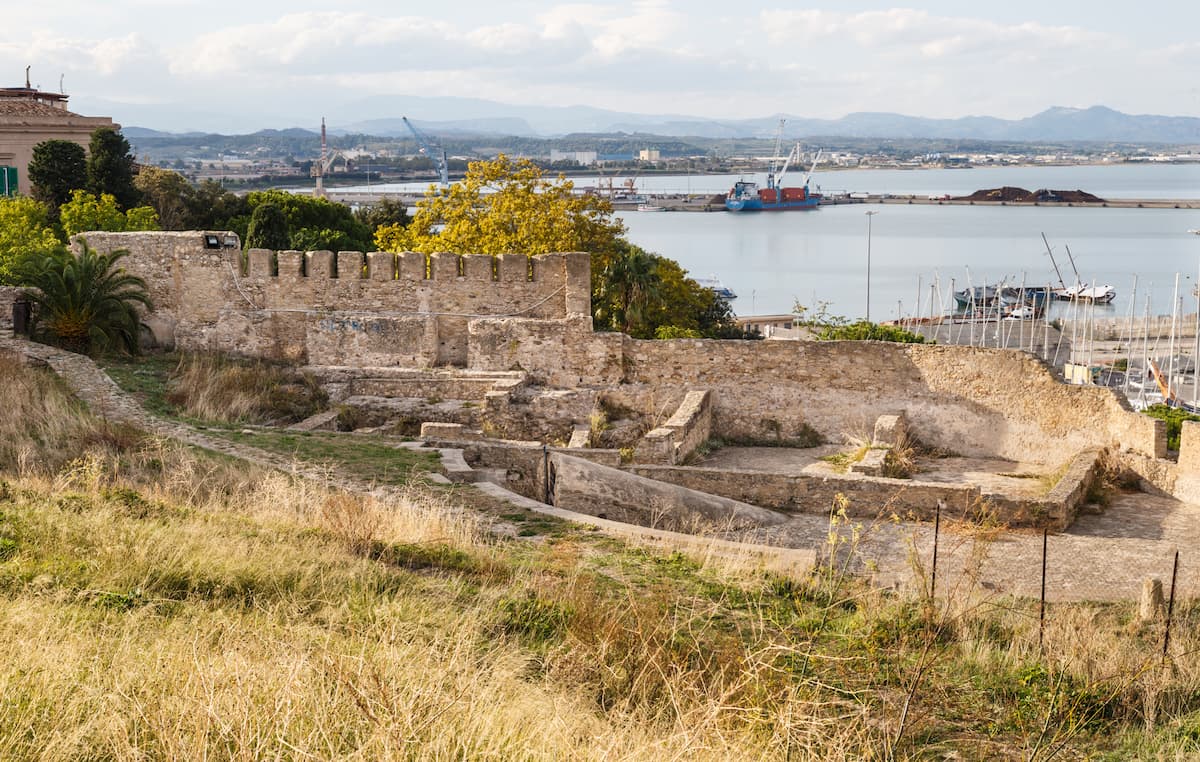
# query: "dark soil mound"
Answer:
x=1020 y=195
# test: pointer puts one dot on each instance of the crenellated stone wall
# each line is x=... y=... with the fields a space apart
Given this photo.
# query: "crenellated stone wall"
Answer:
x=343 y=308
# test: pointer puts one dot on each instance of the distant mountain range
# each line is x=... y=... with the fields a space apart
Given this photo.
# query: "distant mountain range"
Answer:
x=470 y=116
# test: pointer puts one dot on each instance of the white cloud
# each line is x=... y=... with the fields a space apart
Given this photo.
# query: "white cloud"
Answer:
x=700 y=57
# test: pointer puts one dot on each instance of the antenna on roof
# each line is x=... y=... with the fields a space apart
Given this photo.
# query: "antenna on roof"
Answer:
x=27 y=85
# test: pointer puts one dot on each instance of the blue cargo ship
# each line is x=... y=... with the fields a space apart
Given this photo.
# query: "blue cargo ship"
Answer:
x=746 y=196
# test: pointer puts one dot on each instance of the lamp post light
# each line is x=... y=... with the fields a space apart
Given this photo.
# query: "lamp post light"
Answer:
x=869 y=216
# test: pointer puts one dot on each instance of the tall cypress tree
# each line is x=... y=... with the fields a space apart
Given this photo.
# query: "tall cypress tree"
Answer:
x=57 y=168
x=110 y=167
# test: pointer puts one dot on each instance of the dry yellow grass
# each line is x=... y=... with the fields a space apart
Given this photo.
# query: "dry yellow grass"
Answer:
x=212 y=388
x=159 y=603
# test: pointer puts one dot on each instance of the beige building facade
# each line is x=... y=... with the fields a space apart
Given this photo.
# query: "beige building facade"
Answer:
x=29 y=116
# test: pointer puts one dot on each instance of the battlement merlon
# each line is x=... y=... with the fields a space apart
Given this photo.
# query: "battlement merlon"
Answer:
x=205 y=270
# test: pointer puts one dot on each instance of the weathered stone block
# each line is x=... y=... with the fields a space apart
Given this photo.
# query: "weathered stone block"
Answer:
x=349 y=265
x=318 y=264
x=411 y=265
x=261 y=263
x=443 y=265
x=514 y=268
x=291 y=265
x=381 y=265
x=479 y=267
x=891 y=430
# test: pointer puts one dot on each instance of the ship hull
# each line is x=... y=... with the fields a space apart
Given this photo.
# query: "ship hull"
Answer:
x=758 y=205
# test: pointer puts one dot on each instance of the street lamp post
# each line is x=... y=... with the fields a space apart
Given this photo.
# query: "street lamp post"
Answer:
x=869 y=216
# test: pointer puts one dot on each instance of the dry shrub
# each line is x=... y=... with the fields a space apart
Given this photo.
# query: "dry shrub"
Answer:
x=215 y=388
x=44 y=427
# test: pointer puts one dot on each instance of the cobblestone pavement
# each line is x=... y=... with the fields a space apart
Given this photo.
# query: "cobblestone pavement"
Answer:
x=1103 y=556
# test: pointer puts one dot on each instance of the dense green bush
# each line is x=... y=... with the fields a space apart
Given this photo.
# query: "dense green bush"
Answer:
x=1174 y=417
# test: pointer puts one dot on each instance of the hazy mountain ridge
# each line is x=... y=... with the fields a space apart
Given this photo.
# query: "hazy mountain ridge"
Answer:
x=472 y=116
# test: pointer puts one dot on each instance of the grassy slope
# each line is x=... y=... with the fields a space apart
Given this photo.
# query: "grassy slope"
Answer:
x=158 y=602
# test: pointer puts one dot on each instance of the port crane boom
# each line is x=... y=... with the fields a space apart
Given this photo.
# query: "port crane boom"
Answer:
x=438 y=155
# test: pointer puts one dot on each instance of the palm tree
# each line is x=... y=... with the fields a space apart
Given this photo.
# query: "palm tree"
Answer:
x=86 y=303
x=631 y=283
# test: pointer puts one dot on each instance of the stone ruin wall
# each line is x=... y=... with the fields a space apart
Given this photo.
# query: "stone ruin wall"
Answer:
x=533 y=315
x=971 y=401
x=343 y=308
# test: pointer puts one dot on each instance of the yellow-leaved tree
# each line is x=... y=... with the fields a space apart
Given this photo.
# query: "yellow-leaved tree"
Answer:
x=509 y=206
x=506 y=206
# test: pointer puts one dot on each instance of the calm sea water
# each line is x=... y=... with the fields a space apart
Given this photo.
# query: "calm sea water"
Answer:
x=774 y=260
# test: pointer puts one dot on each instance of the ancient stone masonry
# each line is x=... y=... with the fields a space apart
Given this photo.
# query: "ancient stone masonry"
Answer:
x=343 y=308
x=484 y=315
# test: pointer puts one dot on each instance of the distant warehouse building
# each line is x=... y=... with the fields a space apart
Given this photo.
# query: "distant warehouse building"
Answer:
x=583 y=158
x=29 y=116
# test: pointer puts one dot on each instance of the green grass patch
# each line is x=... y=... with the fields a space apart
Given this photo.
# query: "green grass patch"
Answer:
x=147 y=378
x=367 y=458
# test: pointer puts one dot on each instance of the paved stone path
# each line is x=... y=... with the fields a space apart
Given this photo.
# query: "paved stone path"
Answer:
x=1101 y=557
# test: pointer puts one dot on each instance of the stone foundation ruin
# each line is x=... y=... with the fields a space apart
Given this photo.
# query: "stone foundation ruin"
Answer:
x=497 y=355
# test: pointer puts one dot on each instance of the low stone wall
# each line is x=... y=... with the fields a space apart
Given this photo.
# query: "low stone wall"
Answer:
x=977 y=402
x=547 y=415
x=522 y=462
x=565 y=353
x=1187 y=485
x=864 y=496
x=870 y=496
x=597 y=490
x=342 y=382
x=676 y=440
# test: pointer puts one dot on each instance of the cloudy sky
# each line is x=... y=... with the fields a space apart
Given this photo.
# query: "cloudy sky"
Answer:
x=176 y=64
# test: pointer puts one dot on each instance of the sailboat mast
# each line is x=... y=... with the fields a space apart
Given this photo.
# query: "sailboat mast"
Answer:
x=1071 y=259
x=1053 y=262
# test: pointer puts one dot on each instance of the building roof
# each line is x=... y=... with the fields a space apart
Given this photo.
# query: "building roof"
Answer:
x=27 y=101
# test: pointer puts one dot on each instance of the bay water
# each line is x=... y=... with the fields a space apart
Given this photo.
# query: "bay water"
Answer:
x=776 y=260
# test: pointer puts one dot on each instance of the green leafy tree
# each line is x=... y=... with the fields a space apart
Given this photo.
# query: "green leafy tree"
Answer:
x=388 y=211
x=142 y=218
x=167 y=192
x=86 y=303
x=675 y=332
x=57 y=168
x=209 y=206
x=312 y=239
x=315 y=223
x=506 y=206
x=110 y=167
x=25 y=232
x=268 y=228
x=86 y=211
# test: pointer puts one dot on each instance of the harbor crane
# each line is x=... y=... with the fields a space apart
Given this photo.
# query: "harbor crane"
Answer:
x=437 y=155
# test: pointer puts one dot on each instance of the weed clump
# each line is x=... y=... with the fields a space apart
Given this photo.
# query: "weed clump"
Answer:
x=216 y=388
